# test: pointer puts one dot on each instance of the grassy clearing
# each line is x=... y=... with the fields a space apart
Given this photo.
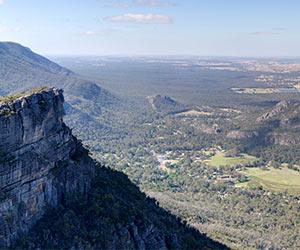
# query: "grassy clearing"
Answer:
x=278 y=180
x=219 y=159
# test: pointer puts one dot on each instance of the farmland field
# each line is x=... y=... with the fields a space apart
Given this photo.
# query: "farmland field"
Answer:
x=220 y=159
x=283 y=179
x=194 y=113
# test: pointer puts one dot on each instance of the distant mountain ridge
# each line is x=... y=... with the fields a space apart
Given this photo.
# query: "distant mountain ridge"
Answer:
x=21 y=69
x=17 y=51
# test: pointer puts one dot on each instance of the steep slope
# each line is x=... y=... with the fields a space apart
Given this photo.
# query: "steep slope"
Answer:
x=39 y=161
x=53 y=195
x=283 y=123
x=22 y=69
x=277 y=128
x=116 y=216
x=86 y=102
x=279 y=125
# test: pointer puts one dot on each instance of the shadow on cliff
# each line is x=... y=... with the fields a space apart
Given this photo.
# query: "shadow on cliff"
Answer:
x=62 y=199
x=115 y=215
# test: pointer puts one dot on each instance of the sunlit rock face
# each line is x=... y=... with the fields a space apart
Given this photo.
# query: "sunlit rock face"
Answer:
x=41 y=163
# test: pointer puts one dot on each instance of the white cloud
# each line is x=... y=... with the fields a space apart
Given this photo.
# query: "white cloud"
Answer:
x=153 y=3
x=143 y=3
x=141 y=18
x=1 y=2
x=120 y=5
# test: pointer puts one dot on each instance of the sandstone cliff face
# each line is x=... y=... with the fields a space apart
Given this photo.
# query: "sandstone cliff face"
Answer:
x=39 y=166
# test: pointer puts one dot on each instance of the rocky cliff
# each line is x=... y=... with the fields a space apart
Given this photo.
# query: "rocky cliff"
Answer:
x=38 y=163
x=54 y=196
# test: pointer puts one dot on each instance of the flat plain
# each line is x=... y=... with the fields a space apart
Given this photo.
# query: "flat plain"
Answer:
x=277 y=180
x=220 y=159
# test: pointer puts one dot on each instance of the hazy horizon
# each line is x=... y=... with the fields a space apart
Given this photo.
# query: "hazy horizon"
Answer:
x=153 y=27
x=175 y=56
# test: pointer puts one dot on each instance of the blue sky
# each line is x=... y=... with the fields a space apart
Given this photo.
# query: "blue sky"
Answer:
x=154 y=27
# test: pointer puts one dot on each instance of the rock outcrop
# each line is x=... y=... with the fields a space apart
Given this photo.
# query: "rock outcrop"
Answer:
x=39 y=163
x=285 y=112
x=278 y=126
x=165 y=104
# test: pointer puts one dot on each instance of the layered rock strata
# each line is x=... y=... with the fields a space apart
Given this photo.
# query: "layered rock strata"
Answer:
x=39 y=161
